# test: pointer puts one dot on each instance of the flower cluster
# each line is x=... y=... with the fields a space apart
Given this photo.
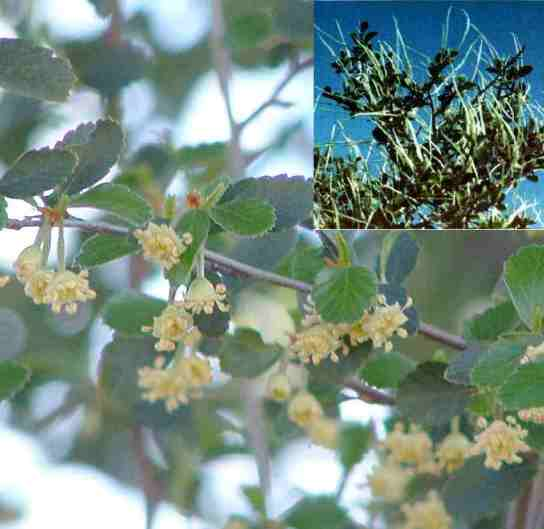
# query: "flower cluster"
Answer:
x=174 y=325
x=532 y=353
x=318 y=340
x=175 y=383
x=411 y=452
x=203 y=296
x=380 y=324
x=429 y=513
x=535 y=415
x=63 y=290
x=501 y=442
x=305 y=411
x=162 y=245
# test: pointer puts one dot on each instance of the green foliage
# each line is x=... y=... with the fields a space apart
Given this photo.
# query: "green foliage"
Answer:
x=342 y=294
x=38 y=171
x=13 y=377
x=524 y=277
x=323 y=508
x=291 y=197
x=100 y=249
x=426 y=398
x=247 y=217
x=117 y=200
x=197 y=223
x=524 y=388
x=490 y=490
x=244 y=354
x=495 y=321
x=496 y=364
x=128 y=311
x=303 y=263
x=388 y=370
x=459 y=369
x=107 y=65
x=354 y=443
x=97 y=146
x=256 y=498
x=3 y=212
x=398 y=257
x=34 y=71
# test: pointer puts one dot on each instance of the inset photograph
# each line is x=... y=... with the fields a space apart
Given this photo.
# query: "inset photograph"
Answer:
x=428 y=115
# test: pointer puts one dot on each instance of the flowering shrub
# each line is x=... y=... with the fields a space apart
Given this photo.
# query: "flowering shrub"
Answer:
x=450 y=136
x=265 y=332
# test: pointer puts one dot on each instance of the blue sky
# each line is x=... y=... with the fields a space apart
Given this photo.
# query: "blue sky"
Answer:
x=421 y=25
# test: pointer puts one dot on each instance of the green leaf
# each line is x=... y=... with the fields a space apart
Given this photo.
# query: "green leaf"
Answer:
x=398 y=257
x=525 y=388
x=256 y=498
x=34 y=71
x=323 y=510
x=304 y=263
x=100 y=249
x=425 y=397
x=387 y=370
x=248 y=217
x=105 y=64
x=115 y=199
x=495 y=321
x=3 y=212
x=97 y=146
x=38 y=171
x=13 y=378
x=342 y=294
x=212 y=325
x=524 y=278
x=244 y=354
x=127 y=311
x=291 y=197
x=459 y=369
x=475 y=492
x=496 y=364
x=354 y=443
x=197 y=223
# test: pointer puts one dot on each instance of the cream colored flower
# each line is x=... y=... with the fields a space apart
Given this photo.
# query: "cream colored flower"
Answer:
x=427 y=514
x=28 y=262
x=532 y=353
x=380 y=324
x=388 y=481
x=37 y=284
x=162 y=244
x=4 y=280
x=324 y=432
x=196 y=371
x=173 y=325
x=202 y=296
x=501 y=442
x=532 y=415
x=278 y=387
x=454 y=449
x=304 y=409
x=161 y=383
x=413 y=448
x=318 y=342
x=66 y=289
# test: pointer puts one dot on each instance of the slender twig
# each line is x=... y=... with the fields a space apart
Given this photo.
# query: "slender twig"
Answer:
x=222 y=62
x=231 y=266
x=273 y=99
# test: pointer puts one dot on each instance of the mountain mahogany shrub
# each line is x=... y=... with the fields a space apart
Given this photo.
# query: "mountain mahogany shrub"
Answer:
x=464 y=438
x=451 y=137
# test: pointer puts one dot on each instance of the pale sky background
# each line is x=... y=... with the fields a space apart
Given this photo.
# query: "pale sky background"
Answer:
x=59 y=496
